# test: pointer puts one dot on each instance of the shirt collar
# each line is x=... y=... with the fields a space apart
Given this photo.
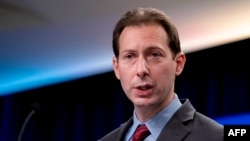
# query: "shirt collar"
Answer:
x=157 y=123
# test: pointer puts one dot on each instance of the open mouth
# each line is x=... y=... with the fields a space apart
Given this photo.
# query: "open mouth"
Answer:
x=144 y=87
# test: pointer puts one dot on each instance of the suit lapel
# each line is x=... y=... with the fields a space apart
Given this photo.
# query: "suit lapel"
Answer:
x=175 y=129
x=124 y=129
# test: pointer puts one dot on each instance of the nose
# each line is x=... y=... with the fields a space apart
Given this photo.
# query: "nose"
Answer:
x=142 y=68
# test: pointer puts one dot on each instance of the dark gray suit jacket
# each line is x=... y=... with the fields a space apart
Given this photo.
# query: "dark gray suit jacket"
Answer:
x=186 y=125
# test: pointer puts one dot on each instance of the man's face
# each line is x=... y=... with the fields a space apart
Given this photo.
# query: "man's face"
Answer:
x=146 y=67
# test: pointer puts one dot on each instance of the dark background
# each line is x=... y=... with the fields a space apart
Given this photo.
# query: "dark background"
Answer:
x=216 y=81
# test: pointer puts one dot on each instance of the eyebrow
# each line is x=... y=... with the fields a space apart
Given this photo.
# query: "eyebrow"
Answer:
x=128 y=50
x=153 y=48
x=147 y=49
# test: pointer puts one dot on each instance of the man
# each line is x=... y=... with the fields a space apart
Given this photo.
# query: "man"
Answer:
x=148 y=58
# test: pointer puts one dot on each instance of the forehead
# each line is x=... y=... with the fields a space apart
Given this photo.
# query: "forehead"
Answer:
x=144 y=29
x=143 y=35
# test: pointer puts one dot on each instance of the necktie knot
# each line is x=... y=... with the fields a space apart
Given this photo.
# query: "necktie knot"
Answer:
x=140 y=133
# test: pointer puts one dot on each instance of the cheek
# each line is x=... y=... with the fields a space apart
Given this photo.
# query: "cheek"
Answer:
x=124 y=77
x=126 y=72
x=163 y=75
x=125 y=83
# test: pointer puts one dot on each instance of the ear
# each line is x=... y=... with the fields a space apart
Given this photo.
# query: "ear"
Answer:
x=180 y=60
x=116 y=67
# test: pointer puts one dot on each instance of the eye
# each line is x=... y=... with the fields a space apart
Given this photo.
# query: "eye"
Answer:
x=155 y=54
x=128 y=56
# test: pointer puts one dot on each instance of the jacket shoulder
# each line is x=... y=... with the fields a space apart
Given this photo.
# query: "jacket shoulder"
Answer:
x=118 y=133
x=111 y=135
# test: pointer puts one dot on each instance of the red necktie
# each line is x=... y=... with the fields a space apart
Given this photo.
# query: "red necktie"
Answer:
x=140 y=133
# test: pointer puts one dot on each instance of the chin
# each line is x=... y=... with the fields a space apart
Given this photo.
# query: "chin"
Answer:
x=141 y=102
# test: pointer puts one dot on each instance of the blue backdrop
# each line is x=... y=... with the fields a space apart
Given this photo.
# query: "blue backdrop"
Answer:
x=215 y=80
